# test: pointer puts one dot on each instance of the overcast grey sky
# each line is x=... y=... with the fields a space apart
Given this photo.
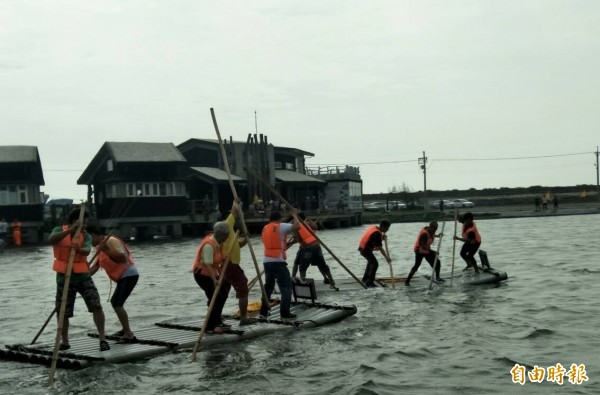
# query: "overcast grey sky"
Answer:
x=368 y=83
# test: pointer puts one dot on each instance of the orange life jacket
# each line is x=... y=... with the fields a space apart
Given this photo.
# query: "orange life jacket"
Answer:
x=367 y=235
x=472 y=228
x=113 y=269
x=272 y=241
x=417 y=247
x=218 y=256
x=62 y=252
x=306 y=238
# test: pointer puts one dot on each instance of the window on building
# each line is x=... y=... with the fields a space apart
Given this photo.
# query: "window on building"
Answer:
x=22 y=193
x=109 y=165
x=140 y=189
x=3 y=194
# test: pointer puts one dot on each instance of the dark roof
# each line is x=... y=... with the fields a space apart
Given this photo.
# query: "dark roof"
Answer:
x=143 y=152
x=292 y=176
x=20 y=164
x=59 y=202
x=215 y=174
x=294 y=150
x=131 y=152
x=194 y=141
x=18 y=153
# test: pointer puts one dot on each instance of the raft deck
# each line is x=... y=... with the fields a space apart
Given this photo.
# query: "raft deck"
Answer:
x=165 y=337
x=491 y=276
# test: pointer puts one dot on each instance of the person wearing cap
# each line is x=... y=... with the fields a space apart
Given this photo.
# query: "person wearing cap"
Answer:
x=80 y=281
x=207 y=271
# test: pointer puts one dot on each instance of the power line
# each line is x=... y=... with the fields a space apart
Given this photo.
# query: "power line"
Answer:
x=454 y=159
x=513 y=158
x=363 y=163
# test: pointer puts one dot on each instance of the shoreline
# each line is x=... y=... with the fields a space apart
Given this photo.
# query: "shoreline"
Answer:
x=486 y=212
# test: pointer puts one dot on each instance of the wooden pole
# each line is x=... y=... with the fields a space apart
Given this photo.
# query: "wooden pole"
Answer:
x=454 y=246
x=43 y=326
x=254 y=280
x=213 y=300
x=63 y=303
x=235 y=195
x=437 y=254
x=387 y=251
x=276 y=193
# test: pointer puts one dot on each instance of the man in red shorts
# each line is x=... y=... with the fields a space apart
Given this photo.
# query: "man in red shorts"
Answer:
x=234 y=274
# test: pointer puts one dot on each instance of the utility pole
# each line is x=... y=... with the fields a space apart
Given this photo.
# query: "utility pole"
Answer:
x=423 y=164
x=597 y=176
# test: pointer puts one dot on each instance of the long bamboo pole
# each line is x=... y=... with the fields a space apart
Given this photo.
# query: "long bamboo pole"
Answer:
x=43 y=326
x=387 y=251
x=235 y=195
x=454 y=246
x=63 y=303
x=437 y=254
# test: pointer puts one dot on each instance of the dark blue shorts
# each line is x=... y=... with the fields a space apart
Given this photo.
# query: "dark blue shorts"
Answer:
x=124 y=288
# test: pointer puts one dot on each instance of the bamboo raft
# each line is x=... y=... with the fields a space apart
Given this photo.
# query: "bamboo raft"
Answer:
x=166 y=337
x=491 y=276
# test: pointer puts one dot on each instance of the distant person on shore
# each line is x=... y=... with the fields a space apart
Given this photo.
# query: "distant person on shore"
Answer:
x=16 y=231
x=441 y=205
x=81 y=281
x=537 y=201
x=372 y=240
x=471 y=239
x=544 y=203
x=555 y=202
x=116 y=260
x=422 y=249
x=3 y=229
x=340 y=206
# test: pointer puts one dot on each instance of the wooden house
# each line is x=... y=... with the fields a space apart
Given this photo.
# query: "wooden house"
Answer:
x=253 y=163
x=21 y=177
x=138 y=188
x=344 y=187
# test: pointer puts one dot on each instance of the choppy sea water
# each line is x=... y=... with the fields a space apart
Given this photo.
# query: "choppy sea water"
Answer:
x=454 y=339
